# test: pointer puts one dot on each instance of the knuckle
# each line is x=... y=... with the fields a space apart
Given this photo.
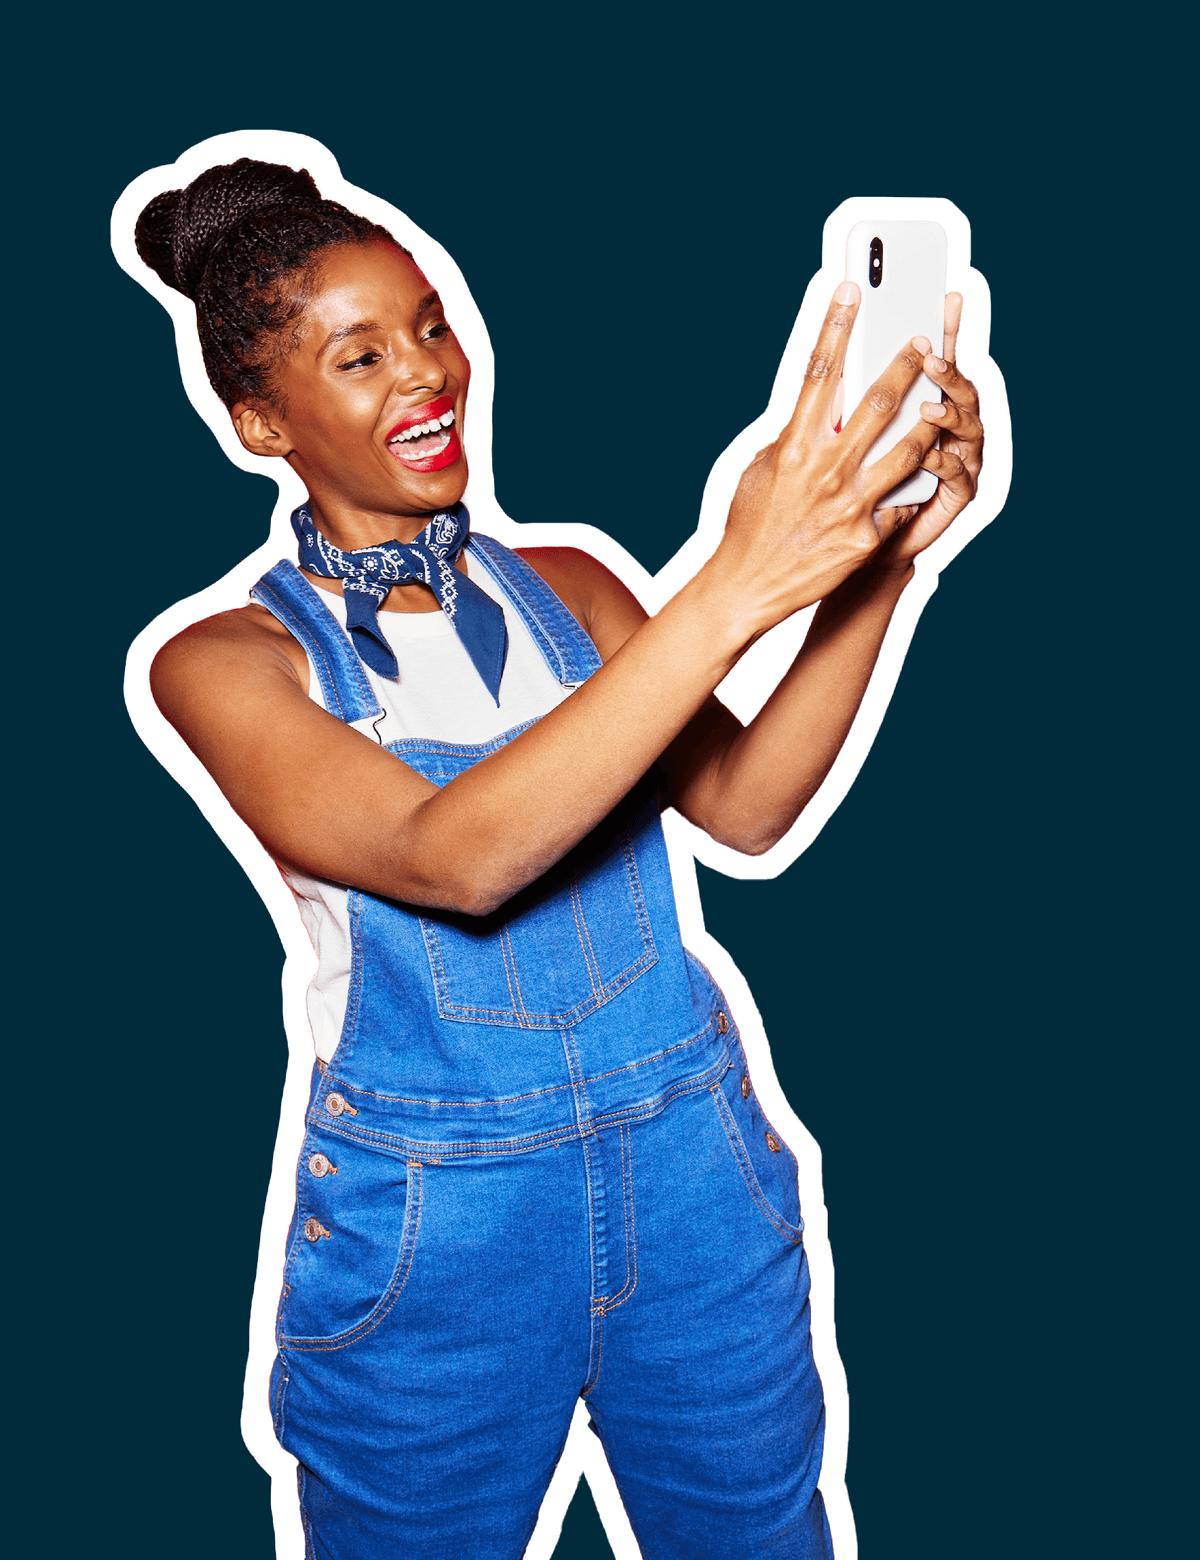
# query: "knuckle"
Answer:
x=831 y=481
x=911 y=360
x=870 y=534
x=882 y=399
x=911 y=453
x=821 y=364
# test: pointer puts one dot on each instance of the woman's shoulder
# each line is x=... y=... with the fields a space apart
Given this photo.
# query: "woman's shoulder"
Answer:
x=602 y=604
x=221 y=654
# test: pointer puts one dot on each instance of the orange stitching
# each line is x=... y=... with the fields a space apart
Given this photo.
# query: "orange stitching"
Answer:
x=746 y=1167
x=636 y=892
x=584 y=939
x=587 y=932
x=642 y=1111
x=392 y=1294
x=595 y=1305
x=508 y=954
x=572 y=1055
x=402 y=1145
x=630 y=1222
x=534 y=1019
x=408 y=1099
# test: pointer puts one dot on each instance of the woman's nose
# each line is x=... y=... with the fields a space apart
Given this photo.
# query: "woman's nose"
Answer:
x=419 y=368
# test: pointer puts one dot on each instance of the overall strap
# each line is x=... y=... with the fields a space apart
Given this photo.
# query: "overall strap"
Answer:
x=567 y=650
x=287 y=595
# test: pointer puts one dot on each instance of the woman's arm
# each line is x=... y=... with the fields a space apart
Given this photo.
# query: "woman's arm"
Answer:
x=747 y=786
x=328 y=800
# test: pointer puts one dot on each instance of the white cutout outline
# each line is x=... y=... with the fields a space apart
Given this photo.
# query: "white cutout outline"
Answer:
x=745 y=691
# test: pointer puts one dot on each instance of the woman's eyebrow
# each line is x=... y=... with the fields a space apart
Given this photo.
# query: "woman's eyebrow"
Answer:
x=360 y=326
x=343 y=331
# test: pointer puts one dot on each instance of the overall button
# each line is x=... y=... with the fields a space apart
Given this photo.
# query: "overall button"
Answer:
x=722 y=1022
x=745 y=1087
x=773 y=1143
x=337 y=1106
x=314 y=1229
x=319 y=1165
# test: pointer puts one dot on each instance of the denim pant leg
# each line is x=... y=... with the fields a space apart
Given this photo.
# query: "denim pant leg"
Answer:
x=706 y=1397
x=435 y=1429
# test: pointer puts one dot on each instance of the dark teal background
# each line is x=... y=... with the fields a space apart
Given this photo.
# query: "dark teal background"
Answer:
x=971 y=980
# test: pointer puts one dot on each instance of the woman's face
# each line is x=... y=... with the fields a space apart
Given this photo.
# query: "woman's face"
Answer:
x=374 y=361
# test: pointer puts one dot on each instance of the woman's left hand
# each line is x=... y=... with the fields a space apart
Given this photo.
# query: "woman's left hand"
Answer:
x=956 y=464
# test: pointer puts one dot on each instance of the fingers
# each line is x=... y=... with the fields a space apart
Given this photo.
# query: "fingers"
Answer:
x=824 y=371
x=956 y=485
x=889 y=520
x=952 y=418
x=956 y=387
x=881 y=402
x=953 y=318
x=902 y=459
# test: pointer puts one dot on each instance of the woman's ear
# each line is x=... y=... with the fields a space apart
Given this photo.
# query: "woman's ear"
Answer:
x=259 y=431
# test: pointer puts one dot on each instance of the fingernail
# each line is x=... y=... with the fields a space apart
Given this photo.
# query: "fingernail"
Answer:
x=939 y=365
x=846 y=293
x=933 y=409
x=922 y=344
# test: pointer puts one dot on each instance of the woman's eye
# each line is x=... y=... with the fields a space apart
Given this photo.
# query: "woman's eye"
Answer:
x=437 y=331
x=364 y=361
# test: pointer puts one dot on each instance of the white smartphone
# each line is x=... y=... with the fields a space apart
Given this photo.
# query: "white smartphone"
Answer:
x=900 y=268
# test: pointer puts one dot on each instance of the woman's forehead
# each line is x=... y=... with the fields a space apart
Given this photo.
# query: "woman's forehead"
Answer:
x=377 y=272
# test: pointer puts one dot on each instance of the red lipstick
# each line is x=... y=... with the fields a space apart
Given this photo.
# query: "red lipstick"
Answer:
x=432 y=450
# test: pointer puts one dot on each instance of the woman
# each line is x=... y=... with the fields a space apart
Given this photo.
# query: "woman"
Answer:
x=535 y=1168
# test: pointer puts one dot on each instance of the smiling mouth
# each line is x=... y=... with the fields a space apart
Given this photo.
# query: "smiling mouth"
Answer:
x=422 y=440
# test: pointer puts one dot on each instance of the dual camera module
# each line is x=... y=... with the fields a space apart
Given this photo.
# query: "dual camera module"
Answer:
x=876 y=269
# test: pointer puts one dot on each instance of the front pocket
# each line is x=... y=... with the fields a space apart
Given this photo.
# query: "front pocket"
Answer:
x=766 y=1164
x=556 y=951
x=354 y=1234
x=562 y=947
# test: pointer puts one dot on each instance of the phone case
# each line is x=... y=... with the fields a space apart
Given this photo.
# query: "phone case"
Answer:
x=908 y=301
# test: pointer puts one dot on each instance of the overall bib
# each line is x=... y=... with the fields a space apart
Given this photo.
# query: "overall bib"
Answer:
x=534 y=1170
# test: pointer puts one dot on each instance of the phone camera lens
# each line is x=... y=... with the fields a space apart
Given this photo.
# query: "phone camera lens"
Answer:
x=875 y=273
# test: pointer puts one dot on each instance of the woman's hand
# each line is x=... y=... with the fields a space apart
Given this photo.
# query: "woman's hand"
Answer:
x=805 y=514
x=957 y=464
x=747 y=787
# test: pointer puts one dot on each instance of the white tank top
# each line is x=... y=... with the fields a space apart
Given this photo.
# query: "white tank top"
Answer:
x=439 y=695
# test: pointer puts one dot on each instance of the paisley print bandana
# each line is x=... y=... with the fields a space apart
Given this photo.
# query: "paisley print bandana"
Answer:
x=368 y=573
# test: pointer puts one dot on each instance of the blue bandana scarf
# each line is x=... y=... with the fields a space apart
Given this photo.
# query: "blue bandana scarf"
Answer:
x=368 y=573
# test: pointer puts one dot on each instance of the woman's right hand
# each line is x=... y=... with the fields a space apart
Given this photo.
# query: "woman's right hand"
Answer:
x=805 y=514
x=334 y=804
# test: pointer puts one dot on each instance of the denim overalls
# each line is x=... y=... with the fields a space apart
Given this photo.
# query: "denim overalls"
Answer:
x=535 y=1170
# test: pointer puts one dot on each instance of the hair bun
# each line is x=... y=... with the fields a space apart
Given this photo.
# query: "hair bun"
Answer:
x=179 y=229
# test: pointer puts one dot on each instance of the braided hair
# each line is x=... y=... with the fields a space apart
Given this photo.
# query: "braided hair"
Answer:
x=243 y=242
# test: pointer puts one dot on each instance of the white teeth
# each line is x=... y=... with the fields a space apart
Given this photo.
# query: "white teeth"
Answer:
x=426 y=427
x=442 y=443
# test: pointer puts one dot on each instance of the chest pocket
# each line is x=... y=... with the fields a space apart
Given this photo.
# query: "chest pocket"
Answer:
x=562 y=947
